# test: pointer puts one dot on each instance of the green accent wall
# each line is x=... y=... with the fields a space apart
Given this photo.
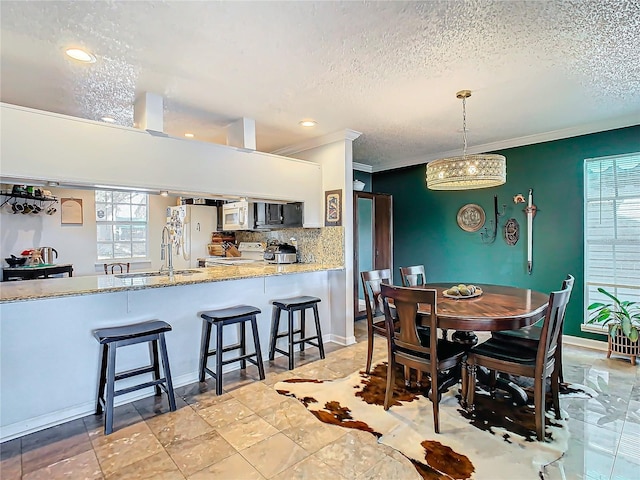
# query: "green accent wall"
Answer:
x=426 y=231
x=363 y=177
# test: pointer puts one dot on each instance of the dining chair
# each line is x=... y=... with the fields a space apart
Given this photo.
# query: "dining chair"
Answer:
x=414 y=276
x=371 y=282
x=415 y=348
x=529 y=337
x=115 y=266
x=513 y=359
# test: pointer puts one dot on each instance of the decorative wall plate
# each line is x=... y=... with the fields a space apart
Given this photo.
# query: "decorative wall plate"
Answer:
x=471 y=217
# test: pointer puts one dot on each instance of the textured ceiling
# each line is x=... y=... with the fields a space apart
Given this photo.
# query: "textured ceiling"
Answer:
x=390 y=70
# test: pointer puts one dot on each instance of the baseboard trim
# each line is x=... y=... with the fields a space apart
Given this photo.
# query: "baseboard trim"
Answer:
x=584 y=343
x=340 y=340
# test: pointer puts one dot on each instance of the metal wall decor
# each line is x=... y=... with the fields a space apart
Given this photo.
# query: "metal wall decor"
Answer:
x=512 y=231
x=489 y=234
x=470 y=217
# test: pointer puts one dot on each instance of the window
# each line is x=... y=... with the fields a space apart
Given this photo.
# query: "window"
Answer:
x=612 y=228
x=121 y=223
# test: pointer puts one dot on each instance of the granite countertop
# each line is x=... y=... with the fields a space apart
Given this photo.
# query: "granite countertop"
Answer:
x=61 y=287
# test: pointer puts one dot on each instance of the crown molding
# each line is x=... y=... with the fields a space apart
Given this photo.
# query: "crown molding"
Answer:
x=315 y=142
x=362 y=167
x=603 y=126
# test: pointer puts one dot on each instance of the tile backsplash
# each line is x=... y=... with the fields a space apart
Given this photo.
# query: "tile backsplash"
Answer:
x=315 y=245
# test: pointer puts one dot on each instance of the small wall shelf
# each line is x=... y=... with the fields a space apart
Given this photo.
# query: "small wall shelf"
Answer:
x=41 y=201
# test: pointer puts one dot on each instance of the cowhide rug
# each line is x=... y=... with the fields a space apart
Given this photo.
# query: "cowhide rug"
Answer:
x=498 y=441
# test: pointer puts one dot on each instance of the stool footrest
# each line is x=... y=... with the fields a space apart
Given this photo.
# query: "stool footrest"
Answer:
x=251 y=360
x=133 y=388
x=286 y=334
x=307 y=340
x=133 y=372
x=230 y=348
x=248 y=356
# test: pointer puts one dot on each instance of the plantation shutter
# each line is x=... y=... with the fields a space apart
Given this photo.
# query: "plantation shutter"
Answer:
x=612 y=227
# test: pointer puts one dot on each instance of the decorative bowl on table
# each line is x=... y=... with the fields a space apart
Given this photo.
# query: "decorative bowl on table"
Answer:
x=15 y=261
x=462 y=291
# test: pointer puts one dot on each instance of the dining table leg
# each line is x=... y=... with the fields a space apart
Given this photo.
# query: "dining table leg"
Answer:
x=462 y=337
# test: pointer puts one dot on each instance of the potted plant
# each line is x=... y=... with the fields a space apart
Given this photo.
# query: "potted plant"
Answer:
x=623 y=318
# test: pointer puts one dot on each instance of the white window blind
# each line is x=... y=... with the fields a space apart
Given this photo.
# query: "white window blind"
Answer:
x=122 y=224
x=612 y=227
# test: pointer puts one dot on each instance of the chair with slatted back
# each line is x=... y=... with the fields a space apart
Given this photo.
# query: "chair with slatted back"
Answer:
x=515 y=360
x=371 y=282
x=112 y=267
x=529 y=337
x=413 y=347
x=414 y=276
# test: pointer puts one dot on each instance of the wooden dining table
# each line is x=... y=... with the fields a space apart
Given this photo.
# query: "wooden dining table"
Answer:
x=497 y=308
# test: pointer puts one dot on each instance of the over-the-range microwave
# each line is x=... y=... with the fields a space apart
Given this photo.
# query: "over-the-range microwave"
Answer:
x=237 y=216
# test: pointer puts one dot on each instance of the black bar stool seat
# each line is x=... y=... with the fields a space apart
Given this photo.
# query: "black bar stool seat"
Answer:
x=114 y=334
x=239 y=314
x=290 y=305
x=113 y=337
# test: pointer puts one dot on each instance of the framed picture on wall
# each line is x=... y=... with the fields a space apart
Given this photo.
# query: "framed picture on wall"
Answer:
x=71 y=211
x=333 y=208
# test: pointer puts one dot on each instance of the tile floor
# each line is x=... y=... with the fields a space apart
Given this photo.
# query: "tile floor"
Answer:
x=251 y=432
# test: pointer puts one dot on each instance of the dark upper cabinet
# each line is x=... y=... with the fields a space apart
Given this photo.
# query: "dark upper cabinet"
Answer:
x=277 y=215
x=292 y=215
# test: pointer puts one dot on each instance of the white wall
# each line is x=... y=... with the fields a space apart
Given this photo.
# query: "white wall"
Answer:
x=75 y=244
x=73 y=151
x=335 y=156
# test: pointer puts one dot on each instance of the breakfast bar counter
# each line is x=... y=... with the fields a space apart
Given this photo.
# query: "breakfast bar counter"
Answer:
x=49 y=358
x=88 y=285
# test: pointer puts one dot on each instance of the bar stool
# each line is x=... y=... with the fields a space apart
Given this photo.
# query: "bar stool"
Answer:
x=291 y=305
x=227 y=316
x=114 y=337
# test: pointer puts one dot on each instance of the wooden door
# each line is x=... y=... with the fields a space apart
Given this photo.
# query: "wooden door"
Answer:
x=372 y=236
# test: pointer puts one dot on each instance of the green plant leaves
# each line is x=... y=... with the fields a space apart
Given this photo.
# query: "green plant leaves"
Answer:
x=595 y=305
x=625 y=323
x=619 y=314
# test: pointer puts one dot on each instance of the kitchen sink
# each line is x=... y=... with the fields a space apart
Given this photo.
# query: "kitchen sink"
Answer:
x=155 y=274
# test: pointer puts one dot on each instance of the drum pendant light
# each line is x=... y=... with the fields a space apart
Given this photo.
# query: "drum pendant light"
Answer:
x=467 y=172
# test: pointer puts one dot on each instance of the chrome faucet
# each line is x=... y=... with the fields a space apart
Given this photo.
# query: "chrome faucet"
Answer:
x=166 y=251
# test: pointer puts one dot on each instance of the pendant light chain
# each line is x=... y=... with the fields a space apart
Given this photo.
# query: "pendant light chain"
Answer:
x=464 y=125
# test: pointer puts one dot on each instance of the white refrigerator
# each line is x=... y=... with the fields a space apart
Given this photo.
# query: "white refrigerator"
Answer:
x=196 y=222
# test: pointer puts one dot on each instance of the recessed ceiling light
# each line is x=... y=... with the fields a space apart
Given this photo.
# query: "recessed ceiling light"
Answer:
x=80 y=55
x=308 y=123
x=108 y=119
x=189 y=135
x=164 y=193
